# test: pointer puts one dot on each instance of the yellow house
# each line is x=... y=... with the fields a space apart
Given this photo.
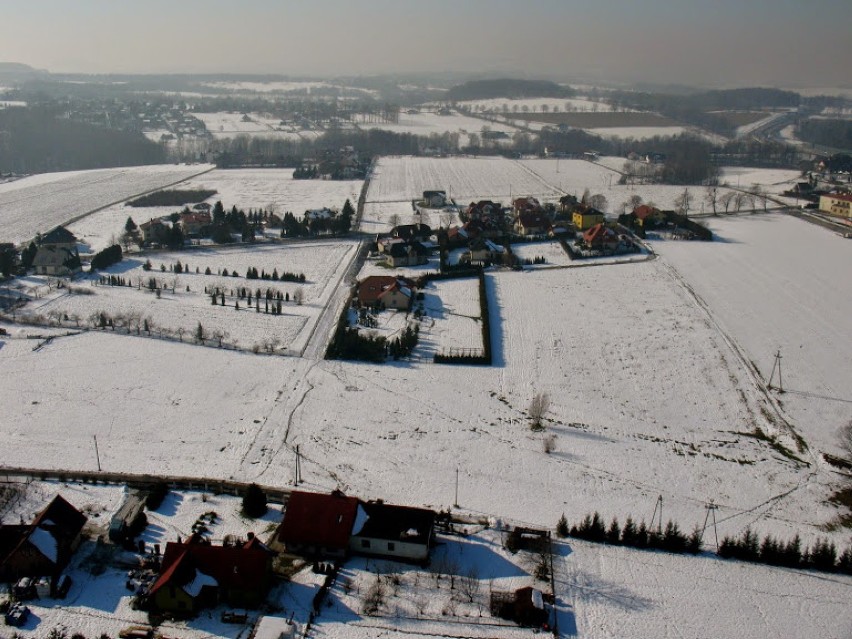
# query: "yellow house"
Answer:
x=584 y=220
x=836 y=204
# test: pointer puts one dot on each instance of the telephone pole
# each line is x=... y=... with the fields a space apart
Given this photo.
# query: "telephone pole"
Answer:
x=658 y=505
x=776 y=366
x=298 y=473
x=711 y=509
x=456 y=502
x=97 y=455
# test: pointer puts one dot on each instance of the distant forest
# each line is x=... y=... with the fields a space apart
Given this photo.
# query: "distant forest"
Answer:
x=36 y=141
x=696 y=109
x=487 y=89
x=833 y=133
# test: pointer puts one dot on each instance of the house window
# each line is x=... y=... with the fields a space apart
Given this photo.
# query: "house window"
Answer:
x=365 y=543
x=391 y=545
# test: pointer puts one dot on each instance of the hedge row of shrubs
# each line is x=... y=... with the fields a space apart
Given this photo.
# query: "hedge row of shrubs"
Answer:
x=747 y=547
x=109 y=256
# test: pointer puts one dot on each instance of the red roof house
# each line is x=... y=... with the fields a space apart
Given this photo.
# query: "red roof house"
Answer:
x=601 y=237
x=316 y=524
x=194 y=575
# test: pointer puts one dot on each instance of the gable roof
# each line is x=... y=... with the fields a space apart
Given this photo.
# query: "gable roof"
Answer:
x=59 y=235
x=52 y=256
x=231 y=567
x=394 y=523
x=599 y=233
x=51 y=532
x=530 y=219
x=373 y=287
x=318 y=519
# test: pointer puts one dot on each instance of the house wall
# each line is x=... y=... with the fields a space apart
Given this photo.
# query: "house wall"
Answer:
x=835 y=206
x=387 y=548
x=396 y=300
x=174 y=599
x=27 y=561
x=585 y=222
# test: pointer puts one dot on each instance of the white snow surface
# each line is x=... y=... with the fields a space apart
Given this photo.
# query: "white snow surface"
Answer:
x=39 y=203
x=46 y=543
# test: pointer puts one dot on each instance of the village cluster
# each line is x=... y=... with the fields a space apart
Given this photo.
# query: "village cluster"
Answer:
x=246 y=579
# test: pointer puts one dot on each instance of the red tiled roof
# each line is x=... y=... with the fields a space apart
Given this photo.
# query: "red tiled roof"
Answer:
x=599 y=233
x=233 y=567
x=370 y=289
x=840 y=196
x=319 y=520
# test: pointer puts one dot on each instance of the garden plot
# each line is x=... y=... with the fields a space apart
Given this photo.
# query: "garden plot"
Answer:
x=178 y=311
x=452 y=319
x=773 y=282
x=37 y=204
x=400 y=179
x=551 y=251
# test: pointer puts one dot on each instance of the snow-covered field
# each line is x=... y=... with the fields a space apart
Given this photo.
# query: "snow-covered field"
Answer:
x=551 y=251
x=428 y=122
x=227 y=125
x=452 y=317
x=651 y=369
x=244 y=188
x=401 y=179
x=773 y=181
x=178 y=308
x=637 y=132
x=774 y=282
x=38 y=203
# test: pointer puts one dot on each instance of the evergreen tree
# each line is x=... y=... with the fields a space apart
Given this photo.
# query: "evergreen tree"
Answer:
x=562 y=524
x=254 y=502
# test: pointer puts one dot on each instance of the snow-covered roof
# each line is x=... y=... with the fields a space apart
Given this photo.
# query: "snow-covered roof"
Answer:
x=361 y=518
x=46 y=543
x=198 y=582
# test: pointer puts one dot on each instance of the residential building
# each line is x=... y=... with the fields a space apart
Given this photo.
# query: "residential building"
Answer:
x=316 y=525
x=386 y=291
x=58 y=262
x=407 y=254
x=399 y=532
x=44 y=547
x=839 y=204
x=585 y=217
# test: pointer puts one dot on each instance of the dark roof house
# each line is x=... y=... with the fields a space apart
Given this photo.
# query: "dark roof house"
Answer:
x=400 y=532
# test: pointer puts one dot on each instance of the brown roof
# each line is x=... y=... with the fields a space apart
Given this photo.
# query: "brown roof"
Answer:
x=318 y=519
x=233 y=567
x=643 y=211
x=533 y=220
x=599 y=234
x=370 y=289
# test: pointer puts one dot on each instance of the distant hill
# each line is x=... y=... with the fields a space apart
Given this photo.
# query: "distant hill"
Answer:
x=18 y=71
x=507 y=88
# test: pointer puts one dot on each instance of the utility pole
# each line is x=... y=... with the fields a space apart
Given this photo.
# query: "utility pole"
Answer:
x=298 y=478
x=711 y=509
x=776 y=366
x=658 y=505
x=456 y=502
x=97 y=455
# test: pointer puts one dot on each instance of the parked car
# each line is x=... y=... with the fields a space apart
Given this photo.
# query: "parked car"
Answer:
x=17 y=615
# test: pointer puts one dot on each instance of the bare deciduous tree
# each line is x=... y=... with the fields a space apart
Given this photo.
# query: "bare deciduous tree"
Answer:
x=684 y=202
x=712 y=197
x=726 y=199
x=469 y=585
x=539 y=405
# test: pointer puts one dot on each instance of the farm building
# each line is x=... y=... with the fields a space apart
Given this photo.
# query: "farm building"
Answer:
x=435 y=199
x=129 y=517
x=43 y=547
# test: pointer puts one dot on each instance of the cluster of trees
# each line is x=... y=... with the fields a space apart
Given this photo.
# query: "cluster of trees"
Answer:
x=337 y=224
x=38 y=140
x=501 y=88
x=173 y=197
x=821 y=556
x=404 y=344
x=832 y=133
x=225 y=223
x=697 y=108
x=306 y=172
x=352 y=344
x=747 y=547
x=114 y=280
x=670 y=539
x=286 y=276
x=107 y=257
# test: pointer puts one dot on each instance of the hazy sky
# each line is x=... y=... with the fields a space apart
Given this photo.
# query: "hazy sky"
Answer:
x=707 y=42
